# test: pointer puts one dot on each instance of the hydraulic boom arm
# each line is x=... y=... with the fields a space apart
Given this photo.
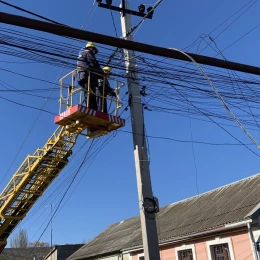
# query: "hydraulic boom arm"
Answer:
x=32 y=178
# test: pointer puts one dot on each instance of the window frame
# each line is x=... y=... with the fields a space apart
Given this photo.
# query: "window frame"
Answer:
x=186 y=247
x=220 y=241
x=140 y=255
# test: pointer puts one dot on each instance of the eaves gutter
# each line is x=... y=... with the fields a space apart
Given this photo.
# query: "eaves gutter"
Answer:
x=193 y=235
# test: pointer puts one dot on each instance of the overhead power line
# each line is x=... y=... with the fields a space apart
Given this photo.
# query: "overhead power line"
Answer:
x=23 y=105
x=231 y=22
x=193 y=85
x=205 y=114
x=120 y=43
x=187 y=141
x=223 y=101
x=29 y=12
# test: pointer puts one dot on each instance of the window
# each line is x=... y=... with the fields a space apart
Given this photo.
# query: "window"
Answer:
x=185 y=252
x=140 y=256
x=220 y=249
x=220 y=252
x=185 y=255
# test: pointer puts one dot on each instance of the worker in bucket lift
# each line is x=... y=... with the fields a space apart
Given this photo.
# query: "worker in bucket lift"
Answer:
x=104 y=88
x=86 y=63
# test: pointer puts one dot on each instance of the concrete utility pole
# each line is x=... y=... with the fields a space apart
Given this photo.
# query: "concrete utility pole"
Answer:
x=147 y=203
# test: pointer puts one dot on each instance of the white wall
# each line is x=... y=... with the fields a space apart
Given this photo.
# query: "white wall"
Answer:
x=53 y=256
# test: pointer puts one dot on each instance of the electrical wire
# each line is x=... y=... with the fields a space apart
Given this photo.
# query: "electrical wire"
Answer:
x=187 y=141
x=232 y=21
x=240 y=38
x=185 y=98
x=147 y=79
x=221 y=99
x=113 y=20
x=20 y=104
x=29 y=12
x=150 y=76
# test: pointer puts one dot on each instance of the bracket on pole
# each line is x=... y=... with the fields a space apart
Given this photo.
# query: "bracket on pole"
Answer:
x=124 y=10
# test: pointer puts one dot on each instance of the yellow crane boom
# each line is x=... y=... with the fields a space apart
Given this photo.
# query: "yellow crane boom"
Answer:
x=32 y=178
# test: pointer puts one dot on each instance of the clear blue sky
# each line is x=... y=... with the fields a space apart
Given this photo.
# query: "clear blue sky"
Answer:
x=106 y=192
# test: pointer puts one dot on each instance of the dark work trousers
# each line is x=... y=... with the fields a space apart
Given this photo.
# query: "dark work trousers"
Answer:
x=92 y=96
x=99 y=91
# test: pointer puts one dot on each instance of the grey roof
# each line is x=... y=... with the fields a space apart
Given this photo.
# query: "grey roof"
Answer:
x=228 y=204
x=25 y=253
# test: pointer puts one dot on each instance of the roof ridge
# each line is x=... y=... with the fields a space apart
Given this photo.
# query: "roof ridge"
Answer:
x=210 y=191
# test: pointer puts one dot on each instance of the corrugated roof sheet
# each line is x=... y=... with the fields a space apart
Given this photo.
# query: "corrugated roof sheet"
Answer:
x=228 y=204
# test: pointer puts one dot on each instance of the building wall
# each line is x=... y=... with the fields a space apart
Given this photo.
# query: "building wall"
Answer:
x=256 y=233
x=53 y=256
x=238 y=241
x=65 y=251
x=201 y=251
x=167 y=253
x=62 y=252
x=242 y=247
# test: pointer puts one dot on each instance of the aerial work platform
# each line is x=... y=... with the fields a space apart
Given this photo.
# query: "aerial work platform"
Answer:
x=75 y=114
x=81 y=117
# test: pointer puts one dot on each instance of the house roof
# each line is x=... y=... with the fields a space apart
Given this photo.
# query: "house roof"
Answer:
x=25 y=253
x=67 y=249
x=228 y=204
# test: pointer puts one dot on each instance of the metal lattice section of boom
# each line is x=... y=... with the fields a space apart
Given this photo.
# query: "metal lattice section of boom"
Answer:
x=32 y=178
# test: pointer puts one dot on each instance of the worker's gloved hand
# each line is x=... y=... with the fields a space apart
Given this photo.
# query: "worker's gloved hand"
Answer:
x=112 y=94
